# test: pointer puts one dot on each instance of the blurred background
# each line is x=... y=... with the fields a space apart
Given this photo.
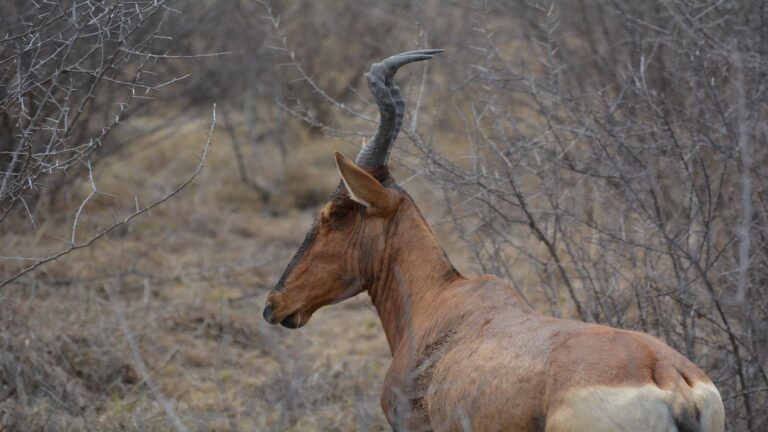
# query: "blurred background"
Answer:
x=608 y=159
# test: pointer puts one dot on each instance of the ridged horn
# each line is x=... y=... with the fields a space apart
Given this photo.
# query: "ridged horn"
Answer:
x=375 y=152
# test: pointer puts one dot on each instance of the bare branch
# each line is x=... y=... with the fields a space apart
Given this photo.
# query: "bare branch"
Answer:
x=126 y=219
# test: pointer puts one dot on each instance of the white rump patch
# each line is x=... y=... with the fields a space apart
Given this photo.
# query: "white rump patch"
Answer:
x=644 y=408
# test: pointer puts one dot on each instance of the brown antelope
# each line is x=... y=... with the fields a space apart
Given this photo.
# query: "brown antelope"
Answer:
x=469 y=353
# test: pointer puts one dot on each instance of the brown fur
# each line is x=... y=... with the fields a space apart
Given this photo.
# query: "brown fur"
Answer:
x=469 y=353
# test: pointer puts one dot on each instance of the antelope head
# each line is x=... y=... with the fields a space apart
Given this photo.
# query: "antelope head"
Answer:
x=346 y=247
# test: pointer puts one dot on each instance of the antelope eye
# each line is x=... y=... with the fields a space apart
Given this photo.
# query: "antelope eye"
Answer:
x=339 y=213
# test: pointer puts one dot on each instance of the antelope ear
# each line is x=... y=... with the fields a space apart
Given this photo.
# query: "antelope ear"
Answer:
x=362 y=187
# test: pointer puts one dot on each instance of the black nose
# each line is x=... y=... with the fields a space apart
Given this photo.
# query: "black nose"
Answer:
x=269 y=309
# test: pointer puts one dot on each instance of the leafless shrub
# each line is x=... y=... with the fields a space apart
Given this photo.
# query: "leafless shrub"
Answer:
x=68 y=72
x=622 y=171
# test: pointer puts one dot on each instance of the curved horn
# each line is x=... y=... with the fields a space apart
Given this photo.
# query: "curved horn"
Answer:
x=375 y=152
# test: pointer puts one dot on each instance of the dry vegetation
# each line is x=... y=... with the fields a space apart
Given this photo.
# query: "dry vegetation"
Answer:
x=609 y=160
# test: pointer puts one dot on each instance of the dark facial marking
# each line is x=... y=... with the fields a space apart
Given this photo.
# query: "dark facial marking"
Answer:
x=308 y=241
x=305 y=245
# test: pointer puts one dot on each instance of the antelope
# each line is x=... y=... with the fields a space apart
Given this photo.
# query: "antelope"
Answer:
x=469 y=353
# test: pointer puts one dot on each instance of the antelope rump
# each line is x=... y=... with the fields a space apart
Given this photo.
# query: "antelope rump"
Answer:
x=469 y=353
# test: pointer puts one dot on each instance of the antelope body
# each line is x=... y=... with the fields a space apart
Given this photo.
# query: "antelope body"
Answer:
x=469 y=353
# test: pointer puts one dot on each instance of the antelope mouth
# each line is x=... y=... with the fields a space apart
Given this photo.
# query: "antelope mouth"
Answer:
x=293 y=321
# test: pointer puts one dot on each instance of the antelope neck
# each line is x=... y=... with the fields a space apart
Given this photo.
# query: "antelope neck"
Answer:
x=413 y=271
